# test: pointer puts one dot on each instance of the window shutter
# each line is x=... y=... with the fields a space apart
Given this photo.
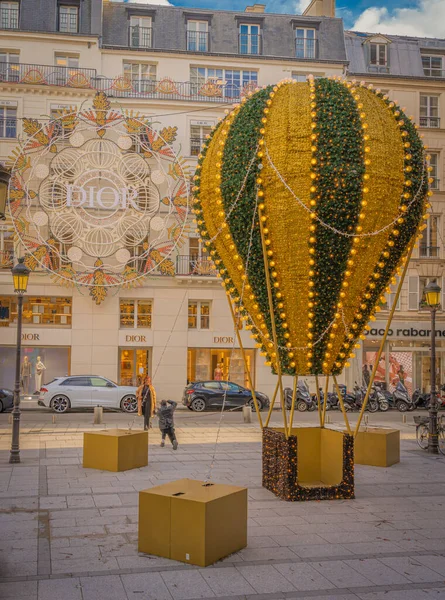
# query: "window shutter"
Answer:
x=413 y=292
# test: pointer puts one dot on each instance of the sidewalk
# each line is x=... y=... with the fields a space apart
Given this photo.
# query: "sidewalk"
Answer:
x=71 y=533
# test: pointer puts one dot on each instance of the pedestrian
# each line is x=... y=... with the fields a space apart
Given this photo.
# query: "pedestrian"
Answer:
x=366 y=374
x=166 y=422
x=146 y=397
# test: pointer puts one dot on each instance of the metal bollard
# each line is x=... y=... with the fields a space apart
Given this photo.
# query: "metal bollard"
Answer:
x=54 y=419
x=247 y=414
x=10 y=419
x=403 y=418
x=366 y=419
x=98 y=414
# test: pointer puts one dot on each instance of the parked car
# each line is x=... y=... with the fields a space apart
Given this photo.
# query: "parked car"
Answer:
x=204 y=395
x=6 y=399
x=87 y=391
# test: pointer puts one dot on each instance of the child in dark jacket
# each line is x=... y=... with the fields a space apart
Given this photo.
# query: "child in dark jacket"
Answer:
x=166 y=422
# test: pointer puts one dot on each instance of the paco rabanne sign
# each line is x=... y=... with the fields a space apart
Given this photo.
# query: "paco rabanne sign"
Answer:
x=105 y=198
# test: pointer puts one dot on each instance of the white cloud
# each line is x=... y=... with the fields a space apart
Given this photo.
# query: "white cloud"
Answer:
x=301 y=5
x=427 y=19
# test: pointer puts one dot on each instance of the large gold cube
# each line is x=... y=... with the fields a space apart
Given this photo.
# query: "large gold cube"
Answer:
x=377 y=447
x=115 y=450
x=193 y=521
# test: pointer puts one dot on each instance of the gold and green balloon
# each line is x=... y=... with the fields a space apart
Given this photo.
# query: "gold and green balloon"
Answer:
x=336 y=173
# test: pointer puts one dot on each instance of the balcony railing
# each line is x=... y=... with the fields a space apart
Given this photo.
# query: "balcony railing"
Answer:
x=194 y=265
x=250 y=43
x=429 y=251
x=47 y=75
x=433 y=122
x=9 y=18
x=6 y=259
x=8 y=128
x=140 y=37
x=122 y=86
x=306 y=47
x=378 y=68
x=197 y=41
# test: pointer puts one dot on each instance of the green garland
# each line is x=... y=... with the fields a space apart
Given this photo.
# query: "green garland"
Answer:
x=339 y=169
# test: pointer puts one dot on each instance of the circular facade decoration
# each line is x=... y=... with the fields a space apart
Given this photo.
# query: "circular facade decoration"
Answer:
x=110 y=215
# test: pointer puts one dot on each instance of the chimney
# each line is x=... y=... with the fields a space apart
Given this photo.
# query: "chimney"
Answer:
x=256 y=8
x=320 y=8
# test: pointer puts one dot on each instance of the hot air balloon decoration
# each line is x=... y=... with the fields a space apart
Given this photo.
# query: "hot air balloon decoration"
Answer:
x=309 y=198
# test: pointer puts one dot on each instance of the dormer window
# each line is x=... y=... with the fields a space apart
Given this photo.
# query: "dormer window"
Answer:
x=249 y=39
x=140 y=32
x=378 y=54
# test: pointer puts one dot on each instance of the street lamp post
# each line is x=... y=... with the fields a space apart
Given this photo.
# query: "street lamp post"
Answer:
x=20 y=274
x=432 y=296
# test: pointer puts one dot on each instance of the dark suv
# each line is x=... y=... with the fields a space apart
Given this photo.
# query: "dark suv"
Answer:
x=204 y=395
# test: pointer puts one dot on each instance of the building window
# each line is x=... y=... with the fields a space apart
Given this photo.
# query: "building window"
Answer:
x=305 y=43
x=63 y=60
x=249 y=39
x=135 y=313
x=9 y=15
x=197 y=36
x=220 y=364
x=68 y=19
x=390 y=297
x=429 y=111
x=140 y=32
x=199 y=315
x=378 y=55
x=299 y=77
x=8 y=122
x=434 y=173
x=41 y=311
x=432 y=66
x=429 y=244
x=198 y=134
x=9 y=66
x=141 y=75
x=57 y=111
x=67 y=67
x=233 y=83
x=134 y=365
x=6 y=246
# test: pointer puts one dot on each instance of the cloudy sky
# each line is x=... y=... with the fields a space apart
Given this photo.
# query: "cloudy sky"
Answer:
x=404 y=17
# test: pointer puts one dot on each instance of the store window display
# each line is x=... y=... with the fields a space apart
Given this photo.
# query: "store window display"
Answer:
x=25 y=375
x=55 y=361
x=43 y=311
x=206 y=364
x=134 y=365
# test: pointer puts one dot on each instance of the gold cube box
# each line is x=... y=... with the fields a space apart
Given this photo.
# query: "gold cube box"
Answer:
x=192 y=522
x=115 y=450
x=377 y=447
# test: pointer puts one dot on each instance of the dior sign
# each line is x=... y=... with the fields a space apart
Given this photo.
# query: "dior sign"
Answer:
x=106 y=197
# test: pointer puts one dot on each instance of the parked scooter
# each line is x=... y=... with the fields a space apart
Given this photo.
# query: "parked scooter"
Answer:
x=421 y=400
x=303 y=400
x=354 y=401
x=401 y=398
x=332 y=402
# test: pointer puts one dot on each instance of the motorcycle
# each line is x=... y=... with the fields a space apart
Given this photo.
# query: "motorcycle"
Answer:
x=421 y=400
x=303 y=400
x=380 y=398
x=354 y=401
x=401 y=398
x=332 y=402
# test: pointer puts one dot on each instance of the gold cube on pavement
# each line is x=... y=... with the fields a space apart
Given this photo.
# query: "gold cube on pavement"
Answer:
x=377 y=447
x=193 y=521
x=115 y=449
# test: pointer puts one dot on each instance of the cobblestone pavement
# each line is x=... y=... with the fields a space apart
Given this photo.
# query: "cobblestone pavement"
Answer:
x=71 y=533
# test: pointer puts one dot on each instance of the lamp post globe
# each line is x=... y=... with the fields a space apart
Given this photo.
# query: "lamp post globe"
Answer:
x=20 y=275
x=432 y=296
x=5 y=176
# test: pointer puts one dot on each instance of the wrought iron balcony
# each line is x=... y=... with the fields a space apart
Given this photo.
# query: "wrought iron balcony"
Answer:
x=429 y=251
x=250 y=43
x=197 y=41
x=140 y=37
x=431 y=122
x=47 y=75
x=9 y=18
x=306 y=47
x=122 y=86
x=194 y=266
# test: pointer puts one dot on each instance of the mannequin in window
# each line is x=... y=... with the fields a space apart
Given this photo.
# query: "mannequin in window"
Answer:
x=40 y=367
x=218 y=373
x=25 y=375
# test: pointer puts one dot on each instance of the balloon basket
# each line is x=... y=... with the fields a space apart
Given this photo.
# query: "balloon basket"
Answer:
x=313 y=463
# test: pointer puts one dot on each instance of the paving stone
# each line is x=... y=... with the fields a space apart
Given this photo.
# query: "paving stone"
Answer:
x=377 y=572
x=227 y=582
x=109 y=587
x=304 y=577
x=341 y=574
x=145 y=586
x=18 y=590
x=66 y=589
x=186 y=584
x=265 y=579
x=412 y=569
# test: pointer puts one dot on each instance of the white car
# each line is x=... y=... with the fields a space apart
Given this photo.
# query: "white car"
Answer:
x=87 y=391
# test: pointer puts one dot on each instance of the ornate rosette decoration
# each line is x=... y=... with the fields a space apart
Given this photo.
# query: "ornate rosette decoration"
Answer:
x=333 y=174
x=98 y=197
